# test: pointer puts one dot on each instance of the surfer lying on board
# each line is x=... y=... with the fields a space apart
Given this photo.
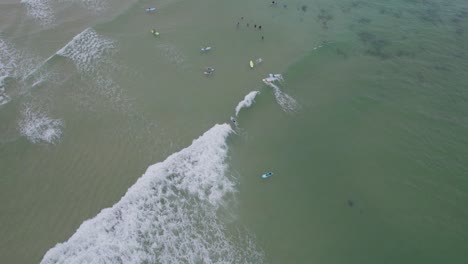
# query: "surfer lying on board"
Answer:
x=208 y=71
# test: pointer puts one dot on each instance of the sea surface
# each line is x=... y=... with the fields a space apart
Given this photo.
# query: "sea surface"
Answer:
x=116 y=148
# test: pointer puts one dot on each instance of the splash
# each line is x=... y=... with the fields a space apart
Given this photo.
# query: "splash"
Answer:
x=249 y=99
x=170 y=215
x=287 y=103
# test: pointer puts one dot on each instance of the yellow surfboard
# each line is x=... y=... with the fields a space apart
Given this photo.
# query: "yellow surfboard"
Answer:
x=251 y=64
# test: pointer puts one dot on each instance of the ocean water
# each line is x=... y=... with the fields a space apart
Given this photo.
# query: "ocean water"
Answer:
x=116 y=148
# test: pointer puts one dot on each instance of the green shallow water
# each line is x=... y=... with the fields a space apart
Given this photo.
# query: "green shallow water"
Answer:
x=370 y=169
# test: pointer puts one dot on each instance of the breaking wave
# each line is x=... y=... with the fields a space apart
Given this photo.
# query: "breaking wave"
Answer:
x=170 y=215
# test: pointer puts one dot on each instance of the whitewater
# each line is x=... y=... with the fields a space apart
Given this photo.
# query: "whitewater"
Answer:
x=170 y=215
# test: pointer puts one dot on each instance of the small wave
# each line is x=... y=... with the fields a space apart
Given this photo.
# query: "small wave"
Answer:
x=92 y=55
x=87 y=50
x=249 y=99
x=170 y=215
x=37 y=127
x=45 y=11
x=287 y=103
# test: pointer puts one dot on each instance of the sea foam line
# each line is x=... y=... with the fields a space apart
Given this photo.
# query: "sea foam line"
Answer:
x=170 y=215
x=287 y=103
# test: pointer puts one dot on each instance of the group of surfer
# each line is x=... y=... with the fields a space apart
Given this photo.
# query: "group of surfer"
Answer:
x=248 y=25
x=259 y=27
x=209 y=70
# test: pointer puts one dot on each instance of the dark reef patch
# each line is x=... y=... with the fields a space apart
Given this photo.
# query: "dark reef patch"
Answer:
x=404 y=53
x=341 y=53
x=353 y=5
x=324 y=17
x=375 y=45
x=364 y=20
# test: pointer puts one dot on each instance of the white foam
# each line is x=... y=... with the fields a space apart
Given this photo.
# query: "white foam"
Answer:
x=37 y=127
x=4 y=98
x=249 y=99
x=15 y=64
x=45 y=11
x=170 y=215
x=40 y=10
x=92 y=5
x=287 y=103
x=92 y=55
x=87 y=50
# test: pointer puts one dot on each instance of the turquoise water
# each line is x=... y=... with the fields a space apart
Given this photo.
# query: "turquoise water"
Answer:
x=369 y=163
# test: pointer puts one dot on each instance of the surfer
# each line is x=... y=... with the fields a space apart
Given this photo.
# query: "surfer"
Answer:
x=234 y=120
x=205 y=49
x=208 y=71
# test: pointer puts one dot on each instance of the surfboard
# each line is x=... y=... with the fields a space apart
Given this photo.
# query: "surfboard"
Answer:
x=266 y=175
x=251 y=64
